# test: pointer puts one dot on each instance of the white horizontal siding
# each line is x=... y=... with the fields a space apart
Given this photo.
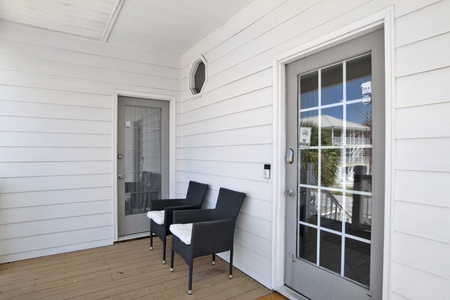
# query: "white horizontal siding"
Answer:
x=56 y=136
x=18 y=154
x=416 y=284
x=51 y=198
x=431 y=191
x=408 y=248
x=421 y=238
x=423 y=88
x=233 y=115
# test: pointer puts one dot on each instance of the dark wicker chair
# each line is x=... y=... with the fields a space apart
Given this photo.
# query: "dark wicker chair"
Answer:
x=212 y=230
x=194 y=198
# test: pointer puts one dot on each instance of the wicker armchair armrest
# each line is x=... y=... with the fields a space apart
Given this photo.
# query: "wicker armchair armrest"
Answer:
x=213 y=236
x=168 y=212
x=194 y=215
x=160 y=204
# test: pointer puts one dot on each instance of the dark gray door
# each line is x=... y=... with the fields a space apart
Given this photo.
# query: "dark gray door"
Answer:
x=142 y=161
x=335 y=185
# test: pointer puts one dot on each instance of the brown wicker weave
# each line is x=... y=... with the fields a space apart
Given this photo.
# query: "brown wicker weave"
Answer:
x=212 y=230
x=194 y=198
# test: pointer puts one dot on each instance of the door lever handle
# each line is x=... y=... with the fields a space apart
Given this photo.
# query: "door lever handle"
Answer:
x=120 y=176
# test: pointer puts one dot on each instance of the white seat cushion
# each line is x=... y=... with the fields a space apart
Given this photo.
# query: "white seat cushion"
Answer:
x=157 y=216
x=182 y=231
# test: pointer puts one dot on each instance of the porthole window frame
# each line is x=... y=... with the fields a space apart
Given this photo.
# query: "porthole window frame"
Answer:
x=192 y=74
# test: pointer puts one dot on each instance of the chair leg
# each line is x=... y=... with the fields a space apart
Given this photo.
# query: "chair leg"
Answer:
x=151 y=237
x=230 y=275
x=171 y=260
x=213 y=261
x=191 y=266
x=164 y=251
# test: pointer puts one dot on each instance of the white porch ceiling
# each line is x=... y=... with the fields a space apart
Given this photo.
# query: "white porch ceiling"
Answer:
x=162 y=25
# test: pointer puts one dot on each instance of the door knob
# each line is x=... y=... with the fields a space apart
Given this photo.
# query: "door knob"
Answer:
x=120 y=176
x=290 y=193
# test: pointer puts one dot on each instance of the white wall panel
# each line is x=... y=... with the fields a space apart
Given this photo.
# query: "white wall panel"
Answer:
x=415 y=252
x=427 y=55
x=258 y=264
x=427 y=121
x=15 y=154
x=96 y=62
x=245 y=136
x=49 y=183
x=258 y=153
x=50 y=226
x=60 y=239
x=425 y=218
x=430 y=191
x=56 y=136
x=423 y=88
x=55 y=197
x=39 y=124
x=74 y=71
x=243 y=119
x=415 y=284
x=411 y=28
x=423 y=155
x=51 y=96
x=33 y=139
x=261 y=27
x=252 y=100
x=44 y=110
x=39 y=213
x=36 y=169
x=251 y=15
x=240 y=57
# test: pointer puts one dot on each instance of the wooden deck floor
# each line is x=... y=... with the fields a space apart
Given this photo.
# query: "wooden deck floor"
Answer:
x=126 y=270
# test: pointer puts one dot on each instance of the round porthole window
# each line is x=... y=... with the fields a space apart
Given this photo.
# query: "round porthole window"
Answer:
x=198 y=76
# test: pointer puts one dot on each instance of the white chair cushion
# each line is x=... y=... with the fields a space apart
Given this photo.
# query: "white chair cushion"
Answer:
x=157 y=216
x=182 y=231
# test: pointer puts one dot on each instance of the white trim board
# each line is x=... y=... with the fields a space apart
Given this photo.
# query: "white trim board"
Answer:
x=172 y=115
x=381 y=19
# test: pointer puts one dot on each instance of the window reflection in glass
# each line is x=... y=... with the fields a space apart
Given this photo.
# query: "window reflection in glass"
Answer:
x=309 y=199
x=330 y=251
x=332 y=85
x=308 y=243
x=357 y=261
x=309 y=90
x=358 y=71
x=360 y=224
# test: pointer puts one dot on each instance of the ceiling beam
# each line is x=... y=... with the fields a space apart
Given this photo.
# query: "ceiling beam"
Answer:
x=112 y=20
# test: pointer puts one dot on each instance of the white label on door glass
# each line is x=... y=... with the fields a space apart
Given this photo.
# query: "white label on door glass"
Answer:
x=366 y=88
x=127 y=124
x=305 y=136
x=366 y=100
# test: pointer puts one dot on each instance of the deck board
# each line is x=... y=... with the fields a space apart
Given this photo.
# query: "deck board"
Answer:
x=125 y=270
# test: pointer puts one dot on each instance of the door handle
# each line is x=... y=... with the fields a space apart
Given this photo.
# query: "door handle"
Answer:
x=290 y=192
x=120 y=176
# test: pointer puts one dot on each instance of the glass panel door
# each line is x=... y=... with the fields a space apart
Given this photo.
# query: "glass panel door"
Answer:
x=335 y=124
x=142 y=158
x=335 y=169
x=142 y=161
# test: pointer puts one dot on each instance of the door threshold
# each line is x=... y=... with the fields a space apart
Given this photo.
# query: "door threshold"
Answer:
x=133 y=236
x=290 y=293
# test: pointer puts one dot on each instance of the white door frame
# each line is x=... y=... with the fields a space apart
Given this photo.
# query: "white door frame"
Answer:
x=171 y=100
x=383 y=19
